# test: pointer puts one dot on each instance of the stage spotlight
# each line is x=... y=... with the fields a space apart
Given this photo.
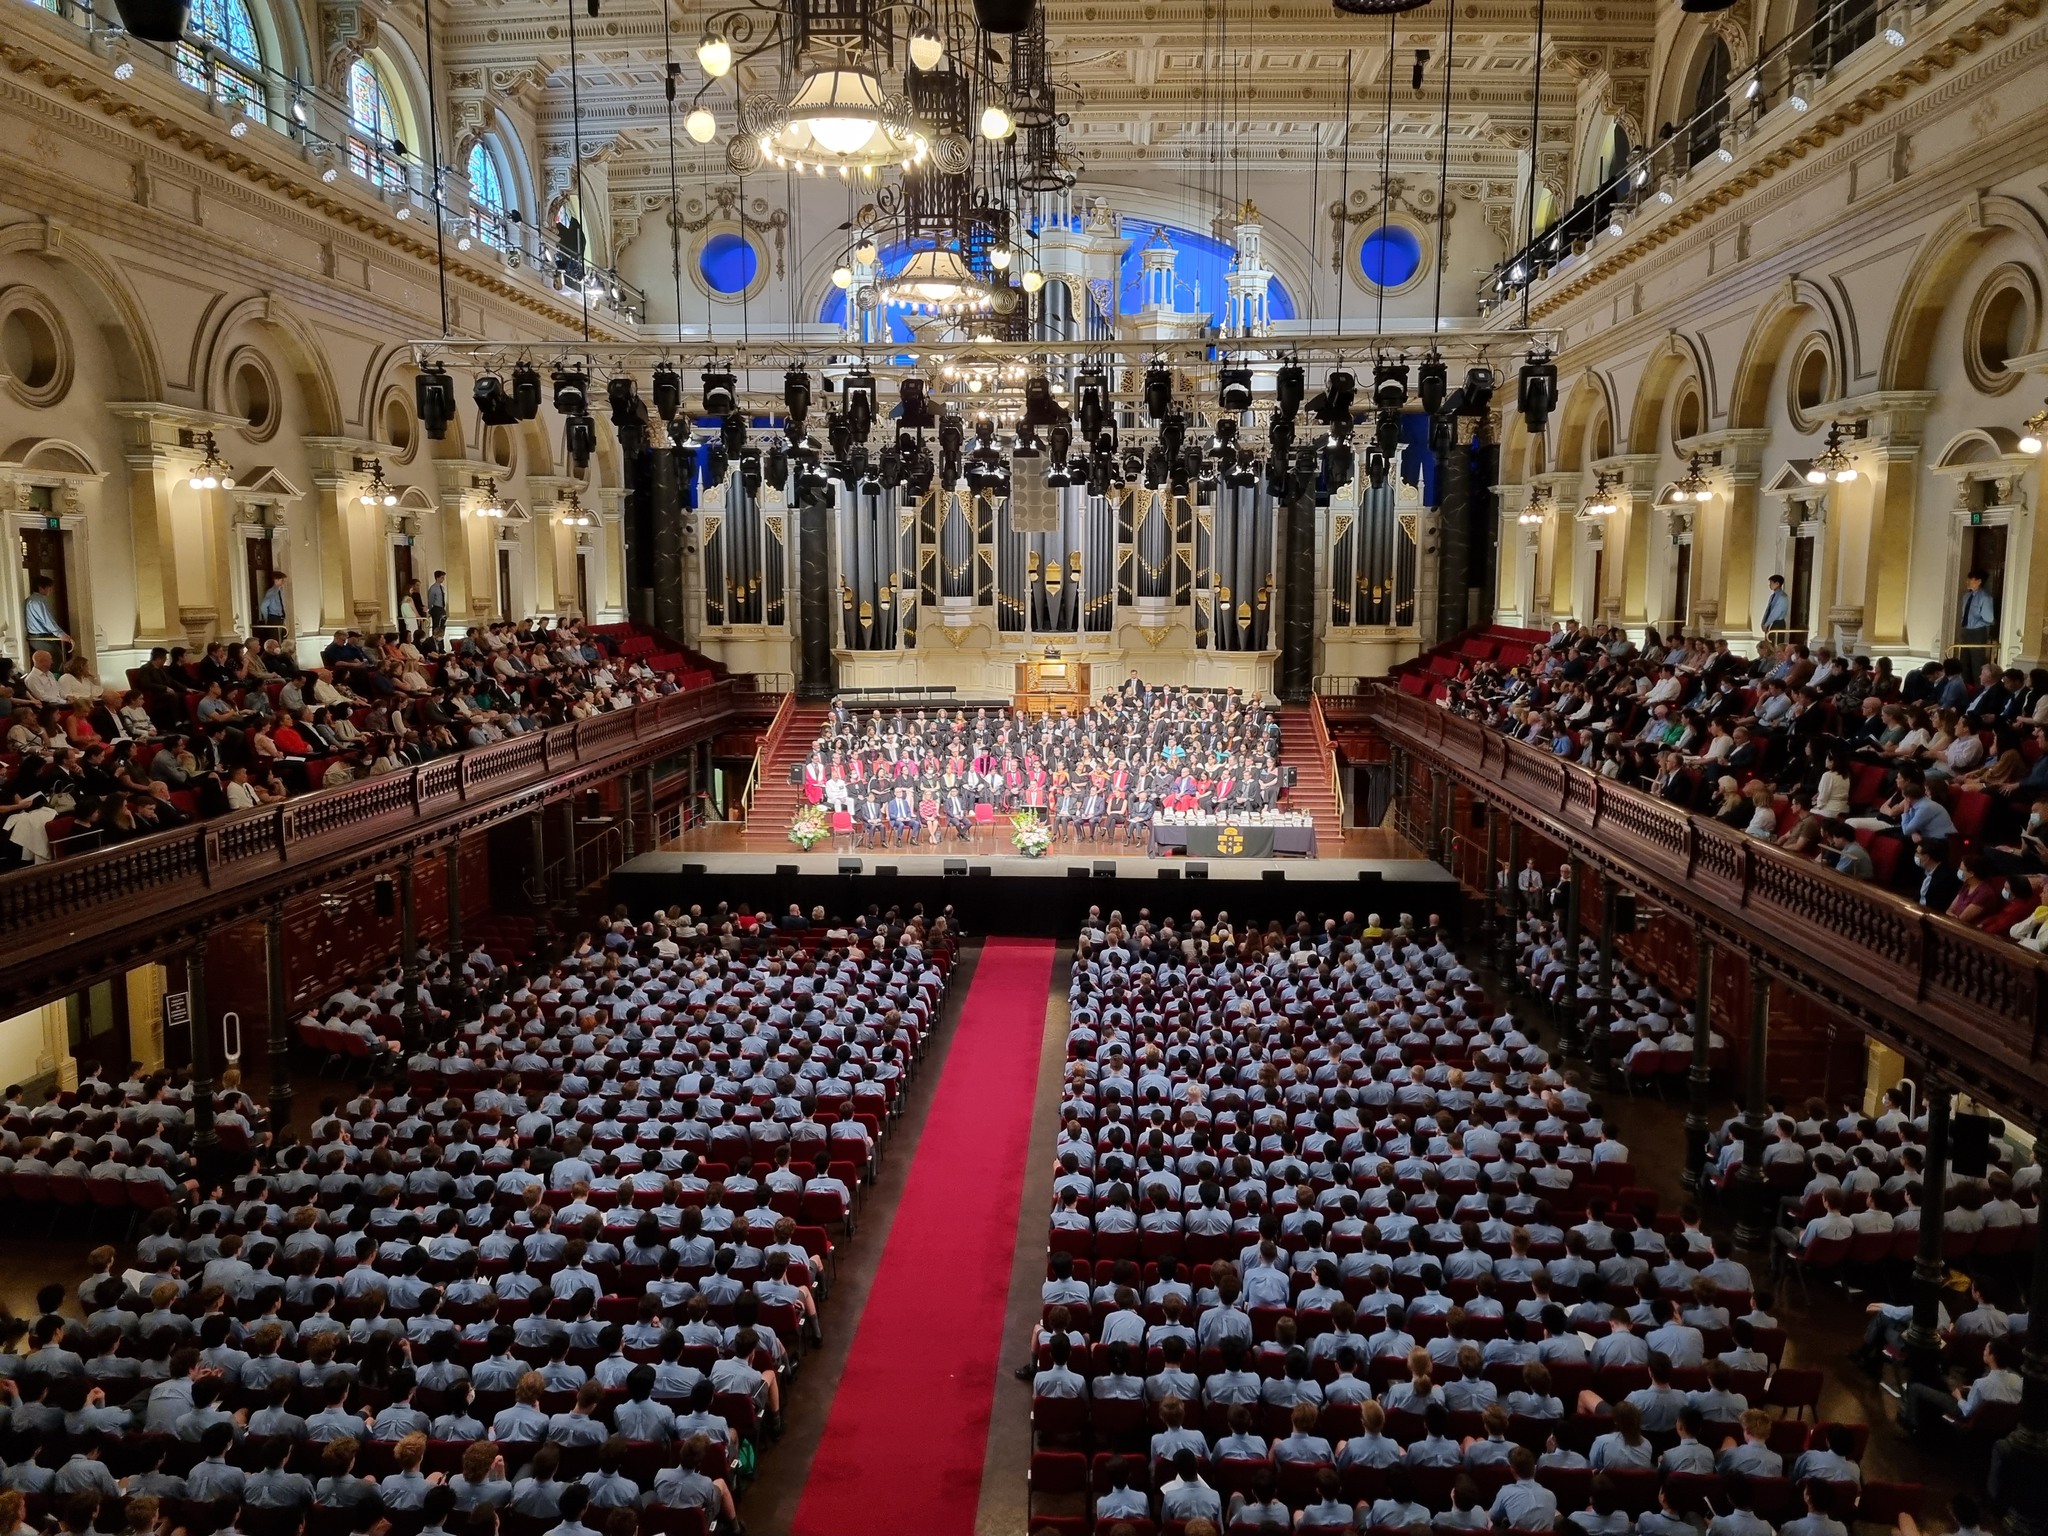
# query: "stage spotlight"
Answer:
x=861 y=406
x=1340 y=466
x=1337 y=397
x=1479 y=385
x=750 y=471
x=572 y=391
x=715 y=464
x=891 y=475
x=526 y=391
x=775 y=466
x=1288 y=385
x=1091 y=387
x=1387 y=432
x=1390 y=386
x=1234 y=392
x=1040 y=408
x=796 y=399
x=666 y=387
x=1432 y=381
x=623 y=395
x=1060 y=442
x=1376 y=468
x=952 y=438
x=919 y=470
x=434 y=395
x=579 y=437
x=1536 y=392
x=720 y=394
x=493 y=404
x=1158 y=392
x=732 y=433
x=914 y=408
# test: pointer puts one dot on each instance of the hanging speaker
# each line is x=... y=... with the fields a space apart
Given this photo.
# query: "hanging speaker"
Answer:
x=1004 y=16
x=1034 y=505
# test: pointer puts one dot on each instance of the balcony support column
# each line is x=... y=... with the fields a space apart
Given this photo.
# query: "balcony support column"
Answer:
x=1752 y=1190
x=1699 y=1081
x=1930 y=1270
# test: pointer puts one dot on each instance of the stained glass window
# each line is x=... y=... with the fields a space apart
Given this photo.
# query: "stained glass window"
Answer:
x=486 y=197
x=221 y=55
x=373 y=128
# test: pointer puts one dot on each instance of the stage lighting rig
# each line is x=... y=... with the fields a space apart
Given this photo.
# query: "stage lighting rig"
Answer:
x=1288 y=386
x=1091 y=390
x=796 y=399
x=861 y=403
x=721 y=393
x=1336 y=397
x=1432 y=382
x=572 y=391
x=493 y=403
x=629 y=411
x=1536 y=392
x=526 y=391
x=1041 y=407
x=434 y=395
x=1234 y=390
x=1389 y=386
x=914 y=406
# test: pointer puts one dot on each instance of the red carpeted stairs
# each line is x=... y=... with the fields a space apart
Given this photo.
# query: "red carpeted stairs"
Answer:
x=907 y=1438
x=1312 y=791
x=775 y=798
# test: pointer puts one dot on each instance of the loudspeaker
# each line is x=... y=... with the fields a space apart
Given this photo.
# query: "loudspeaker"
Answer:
x=1273 y=876
x=1197 y=871
x=785 y=871
x=694 y=869
x=955 y=867
x=1370 y=876
x=885 y=871
x=849 y=866
x=1077 y=872
x=978 y=870
x=1289 y=776
x=1168 y=872
x=1034 y=505
x=385 y=892
x=1105 y=869
x=1969 y=1144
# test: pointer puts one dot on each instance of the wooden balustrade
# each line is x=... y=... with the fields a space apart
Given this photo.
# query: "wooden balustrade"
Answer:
x=1970 y=1005
x=80 y=919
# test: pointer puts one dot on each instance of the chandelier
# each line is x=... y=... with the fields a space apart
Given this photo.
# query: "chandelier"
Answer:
x=833 y=107
x=488 y=505
x=1538 y=508
x=1601 y=503
x=2033 y=430
x=1692 y=485
x=378 y=493
x=938 y=280
x=570 y=513
x=213 y=472
x=1834 y=462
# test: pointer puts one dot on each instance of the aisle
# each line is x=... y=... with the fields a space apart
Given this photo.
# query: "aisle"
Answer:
x=905 y=1443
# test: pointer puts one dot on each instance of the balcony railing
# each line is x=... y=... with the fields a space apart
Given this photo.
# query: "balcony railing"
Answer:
x=81 y=918
x=1972 y=1005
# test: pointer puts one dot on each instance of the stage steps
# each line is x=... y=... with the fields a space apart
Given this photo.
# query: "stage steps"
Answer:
x=1312 y=790
x=775 y=798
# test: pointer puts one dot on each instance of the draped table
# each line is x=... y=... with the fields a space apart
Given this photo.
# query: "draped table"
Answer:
x=1232 y=840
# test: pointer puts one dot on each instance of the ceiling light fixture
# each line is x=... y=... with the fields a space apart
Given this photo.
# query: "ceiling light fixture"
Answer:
x=2033 y=430
x=378 y=493
x=1834 y=462
x=1602 y=503
x=1537 y=508
x=1692 y=485
x=213 y=472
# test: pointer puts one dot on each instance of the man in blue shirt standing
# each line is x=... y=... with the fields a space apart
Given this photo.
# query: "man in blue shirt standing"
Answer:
x=44 y=632
x=1976 y=624
x=1777 y=613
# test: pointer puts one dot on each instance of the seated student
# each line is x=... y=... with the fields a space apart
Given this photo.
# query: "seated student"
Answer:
x=1327 y=1513
x=1524 y=1504
x=1833 y=1462
x=1603 y=1515
x=1370 y=1447
x=1120 y=1501
x=1625 y=1447
x=1185 y=1497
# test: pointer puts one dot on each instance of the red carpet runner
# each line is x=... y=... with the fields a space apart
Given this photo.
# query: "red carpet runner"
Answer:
x=904 y=1445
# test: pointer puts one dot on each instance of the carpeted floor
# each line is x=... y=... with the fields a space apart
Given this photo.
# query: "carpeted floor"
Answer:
x=904 y=1447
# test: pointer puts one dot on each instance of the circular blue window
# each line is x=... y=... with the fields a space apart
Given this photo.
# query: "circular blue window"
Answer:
x=728 y=263
x=1389 y=256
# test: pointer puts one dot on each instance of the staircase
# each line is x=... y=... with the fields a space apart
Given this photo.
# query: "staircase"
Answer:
x=775 y=798
x=1302 y=750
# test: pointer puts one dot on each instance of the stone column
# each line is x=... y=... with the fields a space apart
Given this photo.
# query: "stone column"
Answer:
x=203 y=1138
x=1930 y=1271
x=409 y=961
x=1753 y=1194
x=1297 y=661
x=1599 y=1042
x=817 y=599
x=281 y=1092
x=626 y=791
x=1699 y=1081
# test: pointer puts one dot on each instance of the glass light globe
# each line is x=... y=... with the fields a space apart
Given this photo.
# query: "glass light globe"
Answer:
x=2029 y=443
x=842 y=277
x=714 y=56
x=843 y=135
x=865 y=253
x=996 y=123
x=927 y=48
x=999 y=257
x=198 y=482
x=1033 y=281
x=701 y=124
x=1816 y=477
x=1844 y=476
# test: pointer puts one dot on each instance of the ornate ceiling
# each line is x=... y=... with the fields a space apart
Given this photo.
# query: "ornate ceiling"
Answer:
x=1163 y=83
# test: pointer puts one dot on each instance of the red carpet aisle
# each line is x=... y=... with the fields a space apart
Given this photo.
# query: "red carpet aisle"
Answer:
x=905 y=1442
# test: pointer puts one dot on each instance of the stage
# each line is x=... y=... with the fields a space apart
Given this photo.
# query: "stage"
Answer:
x=1010 y=894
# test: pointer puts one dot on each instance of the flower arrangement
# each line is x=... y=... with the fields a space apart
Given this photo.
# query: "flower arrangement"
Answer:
x=809 y=827
x=1029 y=834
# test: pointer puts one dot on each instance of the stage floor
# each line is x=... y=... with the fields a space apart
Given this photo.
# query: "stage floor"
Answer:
x=1367 y=843
x=1059 y=864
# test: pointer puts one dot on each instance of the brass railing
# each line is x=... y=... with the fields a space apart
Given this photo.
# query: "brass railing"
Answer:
x=1971 y=1005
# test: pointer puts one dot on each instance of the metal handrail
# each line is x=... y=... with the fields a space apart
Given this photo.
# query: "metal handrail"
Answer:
x=1329 y=751
x=766 y=748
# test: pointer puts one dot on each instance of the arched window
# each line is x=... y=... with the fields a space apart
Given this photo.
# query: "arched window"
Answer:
x=1709 y=104
x=486 y=197
x=221 y=54
x=375 y=151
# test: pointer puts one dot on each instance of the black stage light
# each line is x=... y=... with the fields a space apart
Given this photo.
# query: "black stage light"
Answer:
x=952 y=437
x=892 y=467
x=434 y=394
x=1060 y=442
x=1288 y=386
x=1337 y=396
x=1479 y=386
x=915 y=406
x=1234 y=392
x=1387 y=432
x=526 y=391
x=919 y=471
x=1041 y=409
x=720 y=393
x=493 y=404
x=775 y=467
x=1004 y=18
x=1376 y=468
x=861 y=408
x=796 y=399
x=1091 y=389
x=666 y=388
x=732 y=432
x=1158 y=392
x=572 y=391
x=1536 y=392
x=628 y=409
x=1389 y=386
x=1340 y=465
x=580 y=438
x=1432 y=380
x=750 y=471
x=715 y=464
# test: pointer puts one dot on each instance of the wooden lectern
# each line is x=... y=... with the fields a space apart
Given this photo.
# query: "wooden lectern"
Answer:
x=1048 y=683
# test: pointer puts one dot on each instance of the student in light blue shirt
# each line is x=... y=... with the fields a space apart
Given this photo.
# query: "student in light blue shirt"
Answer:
x=1740 y=1520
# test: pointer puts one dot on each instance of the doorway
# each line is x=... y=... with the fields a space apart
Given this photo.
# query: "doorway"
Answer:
x=1796 y=624
x=401 y=575
x=1682 y=591
x=99 y=1023
x=256 y=571
x=42 y=558
x=504 y=581
x=583 y=586
x=1984 y=546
